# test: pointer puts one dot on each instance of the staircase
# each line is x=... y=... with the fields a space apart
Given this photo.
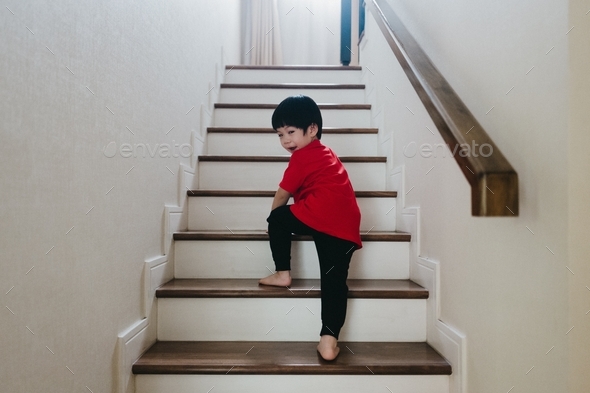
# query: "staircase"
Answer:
x=218 y=330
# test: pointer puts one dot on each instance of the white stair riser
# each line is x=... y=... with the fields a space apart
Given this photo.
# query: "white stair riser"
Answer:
x=287 y=319
x=292 y=383
x=269 y=144
x=229 y=117
x=274 y=96
x=249 y=213
x=266 y=176
x=292 y=76
x=252 y=259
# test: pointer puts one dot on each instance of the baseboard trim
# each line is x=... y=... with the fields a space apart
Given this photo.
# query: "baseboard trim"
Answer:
x=133 y=342
x=129 y=343
x=175 y=219
x=448 y=341
x=138 y=338
x=158 y=270
x=156 y=273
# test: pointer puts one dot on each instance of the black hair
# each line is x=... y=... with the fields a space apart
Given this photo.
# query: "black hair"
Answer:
x=298 y=111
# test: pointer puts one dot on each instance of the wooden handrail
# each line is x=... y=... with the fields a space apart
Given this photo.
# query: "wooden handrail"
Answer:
x=494 y=183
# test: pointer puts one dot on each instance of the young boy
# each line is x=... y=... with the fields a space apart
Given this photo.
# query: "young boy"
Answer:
x=325 y=207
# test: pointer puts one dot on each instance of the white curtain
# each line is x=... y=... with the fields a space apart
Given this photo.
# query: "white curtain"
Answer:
x=294 y=32
x=263 y=33
x=310 y=31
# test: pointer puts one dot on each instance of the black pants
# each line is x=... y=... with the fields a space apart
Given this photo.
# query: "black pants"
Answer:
x=334 y=255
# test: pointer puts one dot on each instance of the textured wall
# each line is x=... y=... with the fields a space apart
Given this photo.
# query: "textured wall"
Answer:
x=504 y=281
x=578 y=190
x=77 y=220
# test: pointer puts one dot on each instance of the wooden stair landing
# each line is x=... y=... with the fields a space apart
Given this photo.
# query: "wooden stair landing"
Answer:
x=300 y=288
x=266 y=357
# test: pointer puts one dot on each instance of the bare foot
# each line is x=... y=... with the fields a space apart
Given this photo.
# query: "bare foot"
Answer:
x=328 y=348
x=278 y=279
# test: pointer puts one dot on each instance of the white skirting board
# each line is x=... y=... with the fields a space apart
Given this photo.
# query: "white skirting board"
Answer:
x=130 y=346
x=446 y=340
x=176 y=217
x=133 y=342
x=199 y=139
x=137 y=339
x=449 y=342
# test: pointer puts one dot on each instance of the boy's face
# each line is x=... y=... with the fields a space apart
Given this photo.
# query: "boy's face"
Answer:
x=293 y=138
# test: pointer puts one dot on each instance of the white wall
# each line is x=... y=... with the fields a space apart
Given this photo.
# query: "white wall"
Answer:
x=504 y=286
x=578 y=191
x=83 y=222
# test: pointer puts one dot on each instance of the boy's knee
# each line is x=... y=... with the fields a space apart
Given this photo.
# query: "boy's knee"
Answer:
x=276 y=214
x=271 y=217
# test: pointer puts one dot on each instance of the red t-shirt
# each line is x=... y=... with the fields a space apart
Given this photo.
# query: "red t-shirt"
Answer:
x=324 y=198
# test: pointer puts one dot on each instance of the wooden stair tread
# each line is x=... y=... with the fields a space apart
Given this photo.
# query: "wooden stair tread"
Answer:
x=299 y=288
x=295 y=67
x=262 y=130
x=282 y=158
x=375 y=236
x=239 y=193
x=268 y=357
x=327 y=86
x=221 y=105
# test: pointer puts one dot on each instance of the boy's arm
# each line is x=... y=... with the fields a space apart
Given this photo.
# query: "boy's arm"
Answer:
x=281 y=198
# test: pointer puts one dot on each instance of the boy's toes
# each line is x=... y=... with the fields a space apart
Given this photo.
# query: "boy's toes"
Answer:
x=276 y=280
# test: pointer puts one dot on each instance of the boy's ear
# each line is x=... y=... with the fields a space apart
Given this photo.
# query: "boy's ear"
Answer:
x=312 y=129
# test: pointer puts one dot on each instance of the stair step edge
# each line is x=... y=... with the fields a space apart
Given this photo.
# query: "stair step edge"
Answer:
x=324 y=106
x=310 y=86
x=262 y=130
x=262 y=236
x=262 y=357
x=294 y=67
x=285 y=158
x=246 y=193
x=300 y=288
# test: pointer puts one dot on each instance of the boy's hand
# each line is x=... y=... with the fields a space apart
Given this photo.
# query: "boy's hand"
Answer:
x=281 y=198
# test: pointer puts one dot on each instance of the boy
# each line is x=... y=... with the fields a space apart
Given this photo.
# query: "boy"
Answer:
x=325 y=207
